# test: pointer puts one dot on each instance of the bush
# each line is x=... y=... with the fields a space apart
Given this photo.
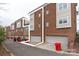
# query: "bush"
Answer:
x=1 y=40
x=2 y=35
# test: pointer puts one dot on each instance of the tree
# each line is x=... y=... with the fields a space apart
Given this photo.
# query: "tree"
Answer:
x=2 y=34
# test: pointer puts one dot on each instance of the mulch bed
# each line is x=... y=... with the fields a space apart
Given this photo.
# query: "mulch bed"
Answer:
x=3 y=52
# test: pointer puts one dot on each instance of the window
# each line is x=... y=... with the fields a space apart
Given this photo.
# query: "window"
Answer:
x=31 y=26
x=65 y=21
x=12 y=27
x=62 y=6
x=47 y=24
x=63 y=15
x=39 y=15
x=31 y=17
x=32 y=22
x=60 y=21
x=47 y=12
x=18 y=24
x=39 y=25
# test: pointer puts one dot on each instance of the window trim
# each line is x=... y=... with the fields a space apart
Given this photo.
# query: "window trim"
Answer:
x=62 y=6
x=19 y=22
x=32 y=22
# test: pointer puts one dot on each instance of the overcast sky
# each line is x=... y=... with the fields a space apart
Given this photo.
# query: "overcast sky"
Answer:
x=15 y=9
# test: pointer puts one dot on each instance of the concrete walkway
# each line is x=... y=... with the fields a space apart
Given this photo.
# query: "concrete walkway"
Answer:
x=27 y=50
x=49 y=47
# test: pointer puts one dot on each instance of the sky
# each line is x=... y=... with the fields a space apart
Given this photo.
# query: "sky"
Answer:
x=15 y=9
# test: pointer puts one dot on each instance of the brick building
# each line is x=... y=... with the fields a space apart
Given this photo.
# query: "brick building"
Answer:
x=54 y=22
x=19 y=28
x=7 y=32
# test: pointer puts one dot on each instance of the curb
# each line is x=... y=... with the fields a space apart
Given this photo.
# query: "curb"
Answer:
x=11 y=54
x=75 y=54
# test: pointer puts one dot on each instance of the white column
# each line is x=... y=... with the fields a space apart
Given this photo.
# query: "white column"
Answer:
x=29 y=31
x=42 y=24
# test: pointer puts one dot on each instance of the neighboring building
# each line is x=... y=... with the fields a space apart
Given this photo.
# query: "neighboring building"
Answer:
x=12 y=30
x=7 y=32
x=54 y=22
x=20 y=28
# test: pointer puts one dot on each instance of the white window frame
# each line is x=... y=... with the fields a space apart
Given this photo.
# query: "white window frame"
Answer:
x=61 y=5
x=23 y=22
x=12 y=27
x=63 y=13
x=18 y=24
x=65 y=19
x=32 y=22
x=65 y=6
x=63 y=25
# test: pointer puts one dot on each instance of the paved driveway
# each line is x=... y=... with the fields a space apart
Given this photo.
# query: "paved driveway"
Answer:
x=25 y=50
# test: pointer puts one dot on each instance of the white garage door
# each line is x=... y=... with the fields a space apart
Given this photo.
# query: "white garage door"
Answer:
x=53 y=39
x=35 y=38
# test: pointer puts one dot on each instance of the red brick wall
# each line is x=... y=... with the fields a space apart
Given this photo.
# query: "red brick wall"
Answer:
x=37 y=21
x=51 y=18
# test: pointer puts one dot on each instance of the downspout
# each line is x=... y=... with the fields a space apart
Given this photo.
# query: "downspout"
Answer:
x=29 y=32
x=42 y=27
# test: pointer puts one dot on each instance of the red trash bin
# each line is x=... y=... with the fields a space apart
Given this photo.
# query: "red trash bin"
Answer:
x=58 y=46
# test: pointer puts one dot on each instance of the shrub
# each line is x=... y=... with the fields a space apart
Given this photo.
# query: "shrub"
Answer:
x=2 y=34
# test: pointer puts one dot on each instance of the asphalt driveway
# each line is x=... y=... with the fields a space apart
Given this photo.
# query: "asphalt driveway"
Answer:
x=25 y=50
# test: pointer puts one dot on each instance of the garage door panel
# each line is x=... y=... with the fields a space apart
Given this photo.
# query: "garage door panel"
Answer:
x=53 y=39
x=35 y=38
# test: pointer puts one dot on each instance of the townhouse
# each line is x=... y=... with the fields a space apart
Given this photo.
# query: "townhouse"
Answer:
x=7 y=32
x=54 y=22
x=19 y=28
x=12 y=30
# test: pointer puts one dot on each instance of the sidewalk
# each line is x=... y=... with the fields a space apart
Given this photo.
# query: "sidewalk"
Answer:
x=49 y=47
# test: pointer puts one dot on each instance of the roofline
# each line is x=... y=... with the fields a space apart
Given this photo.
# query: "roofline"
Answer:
x=38 y=8
x=20 y=19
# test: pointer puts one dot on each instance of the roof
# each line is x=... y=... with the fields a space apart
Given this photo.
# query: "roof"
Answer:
x=38 y=8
